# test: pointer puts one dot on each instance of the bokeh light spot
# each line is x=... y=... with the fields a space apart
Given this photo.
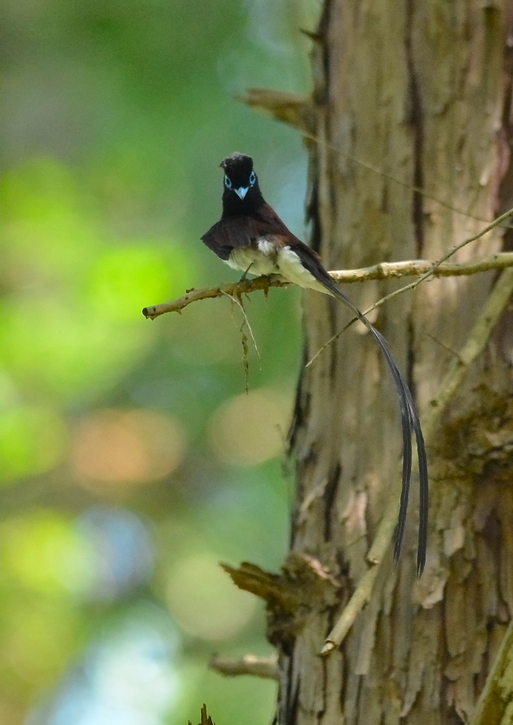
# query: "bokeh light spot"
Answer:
x=125 y=278
x=43 y=552
x=205 y=602
x=126 y=448
x=32 y=441
x=250 y=429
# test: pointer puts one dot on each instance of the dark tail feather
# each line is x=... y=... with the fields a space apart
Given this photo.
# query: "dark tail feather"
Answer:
x=410 y=424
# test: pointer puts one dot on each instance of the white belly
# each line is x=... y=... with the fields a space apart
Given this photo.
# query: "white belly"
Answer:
x=257 y=261
x=268 y=259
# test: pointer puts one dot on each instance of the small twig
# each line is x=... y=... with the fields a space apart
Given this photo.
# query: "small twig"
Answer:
x=497 y=300
x=244 y=340
x=360 y=597
x=264 y=667
x=475 y=344
x=442 y=344
x=380 y=271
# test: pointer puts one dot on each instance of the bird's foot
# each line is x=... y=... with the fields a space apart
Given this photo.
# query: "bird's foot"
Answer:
x=245 y=275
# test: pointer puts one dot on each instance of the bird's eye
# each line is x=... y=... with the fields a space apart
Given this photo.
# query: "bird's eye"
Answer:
x=252 y=178
x=227 y=182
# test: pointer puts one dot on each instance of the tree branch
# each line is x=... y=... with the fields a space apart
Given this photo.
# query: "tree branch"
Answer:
x=232 y=289
x=265 y=667
x=291 y=108
x=415 y=268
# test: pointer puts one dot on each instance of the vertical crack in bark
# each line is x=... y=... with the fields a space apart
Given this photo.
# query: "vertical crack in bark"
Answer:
x=505 y=142
x=417 y=122
x=321 y=90
x=325 y=693
x=293 y=701
x=301 y=408
x=329 y=498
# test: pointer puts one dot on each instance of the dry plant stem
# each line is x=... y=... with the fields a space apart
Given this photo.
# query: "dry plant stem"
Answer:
x=381 y=271
x=494 y=704
x=264 y=667
x=238 y=302
x=475 y=344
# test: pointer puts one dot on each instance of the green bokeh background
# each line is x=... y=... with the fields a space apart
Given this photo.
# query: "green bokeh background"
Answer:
x=131 y=460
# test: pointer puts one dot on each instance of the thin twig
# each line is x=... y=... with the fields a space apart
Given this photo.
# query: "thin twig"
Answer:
x=265 y=667
x=244 y=339
x=475 y=344
x=413 y=268
x=238 y=302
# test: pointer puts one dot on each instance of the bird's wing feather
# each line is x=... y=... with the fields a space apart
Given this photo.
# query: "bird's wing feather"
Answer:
x=234 y=233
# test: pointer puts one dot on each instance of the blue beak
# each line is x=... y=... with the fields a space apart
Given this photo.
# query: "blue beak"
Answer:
x=242 y=191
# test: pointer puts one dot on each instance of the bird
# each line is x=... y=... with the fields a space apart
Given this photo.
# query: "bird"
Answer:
x=251 y=237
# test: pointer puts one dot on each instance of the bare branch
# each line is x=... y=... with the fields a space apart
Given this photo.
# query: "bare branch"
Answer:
x=265 y=667
x=415 y=268
x=232 y=289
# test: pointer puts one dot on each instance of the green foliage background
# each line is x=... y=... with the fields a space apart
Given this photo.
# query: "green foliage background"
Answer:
x=131 y=461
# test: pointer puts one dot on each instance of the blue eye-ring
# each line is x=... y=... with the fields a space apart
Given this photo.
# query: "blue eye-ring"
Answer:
x=252 y=178
x=227 y=182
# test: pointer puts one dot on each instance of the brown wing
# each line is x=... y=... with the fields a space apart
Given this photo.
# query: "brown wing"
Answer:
x=219 y=239
x=240 y=231
x=235 y=232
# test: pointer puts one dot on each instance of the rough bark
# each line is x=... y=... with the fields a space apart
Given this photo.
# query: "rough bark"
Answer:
x=421 y=90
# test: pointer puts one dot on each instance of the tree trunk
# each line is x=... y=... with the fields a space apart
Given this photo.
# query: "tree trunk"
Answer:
x=421 y=90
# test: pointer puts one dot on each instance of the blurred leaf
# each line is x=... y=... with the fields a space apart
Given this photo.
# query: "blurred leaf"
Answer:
x=124 y=277
x=43 y=552
x=32 y=441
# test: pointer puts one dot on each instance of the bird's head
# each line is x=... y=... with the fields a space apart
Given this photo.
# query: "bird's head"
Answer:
x=240 y=181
